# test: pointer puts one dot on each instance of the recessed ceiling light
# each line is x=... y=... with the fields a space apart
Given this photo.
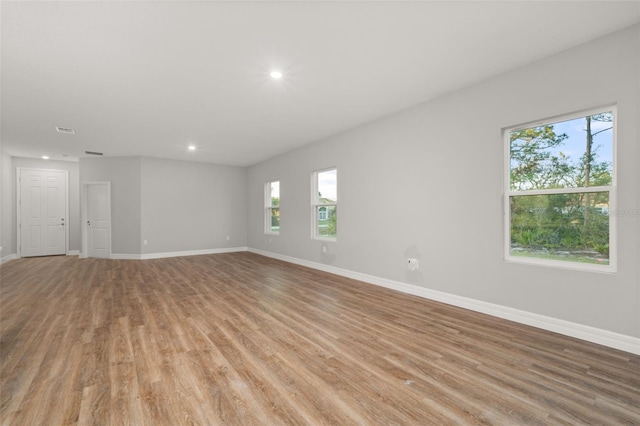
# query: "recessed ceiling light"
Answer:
x=45 y=157
x=276 y=75
x=191 y=147
x=65 y=130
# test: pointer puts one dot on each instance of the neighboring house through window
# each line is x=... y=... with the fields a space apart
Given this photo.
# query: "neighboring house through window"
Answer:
x=324 y=200
x=322 y=213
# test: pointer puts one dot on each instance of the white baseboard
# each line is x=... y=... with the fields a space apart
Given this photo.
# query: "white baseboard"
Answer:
x=567 y=328
x=15 y=256
x=125 y=256
x=192 y=252
x=177 y=253
x=8 y=257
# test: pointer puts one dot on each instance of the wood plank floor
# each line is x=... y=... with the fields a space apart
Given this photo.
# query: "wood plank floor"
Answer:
x=239 y=339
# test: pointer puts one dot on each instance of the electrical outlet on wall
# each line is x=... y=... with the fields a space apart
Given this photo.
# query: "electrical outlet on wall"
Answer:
x=413 y=264
x=145 y=242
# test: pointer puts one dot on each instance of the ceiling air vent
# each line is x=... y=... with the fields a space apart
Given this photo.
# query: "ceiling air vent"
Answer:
x=93 y=153
x=65 y=130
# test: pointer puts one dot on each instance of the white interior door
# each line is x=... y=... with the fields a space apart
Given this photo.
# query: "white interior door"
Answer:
x=98 y=224
x=43 y=211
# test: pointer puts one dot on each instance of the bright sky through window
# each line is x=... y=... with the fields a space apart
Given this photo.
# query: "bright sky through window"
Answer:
x=328 y=184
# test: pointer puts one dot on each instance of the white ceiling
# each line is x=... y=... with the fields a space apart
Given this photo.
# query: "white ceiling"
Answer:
x=148 y=78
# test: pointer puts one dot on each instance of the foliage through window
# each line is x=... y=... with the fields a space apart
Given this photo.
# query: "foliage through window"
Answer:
x=560 y=191
x=325 y=204
x=272 y=207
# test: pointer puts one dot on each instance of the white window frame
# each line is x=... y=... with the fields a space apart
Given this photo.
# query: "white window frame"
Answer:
x=316 y=204
x=508 y=193
x=268 y=208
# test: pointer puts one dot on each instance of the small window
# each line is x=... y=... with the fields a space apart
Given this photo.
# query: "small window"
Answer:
x=325 y=204
x=272 y=207
x=560 y=188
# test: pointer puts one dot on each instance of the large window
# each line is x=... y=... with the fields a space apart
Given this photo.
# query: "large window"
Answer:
x=272 y=207
x=560 y=191
x=324 y=200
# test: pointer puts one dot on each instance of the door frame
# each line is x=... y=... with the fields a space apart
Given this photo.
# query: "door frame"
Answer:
x=19 y=205
x=84 y=200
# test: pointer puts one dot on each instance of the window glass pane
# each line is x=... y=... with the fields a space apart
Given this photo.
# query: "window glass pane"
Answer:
x=570 y=227
x=327 y=221
x=275 y=220
x=328 y=187
x=567 y=154
x=275 y=193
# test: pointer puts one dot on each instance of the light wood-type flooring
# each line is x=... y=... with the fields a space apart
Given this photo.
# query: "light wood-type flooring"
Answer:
x=240 y=339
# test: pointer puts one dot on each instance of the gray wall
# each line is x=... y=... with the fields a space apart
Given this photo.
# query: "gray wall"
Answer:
x=7 y=208
x=9 y=167
x=192 y=206
x=174 y=205
x=124 y=175
x=428 y=182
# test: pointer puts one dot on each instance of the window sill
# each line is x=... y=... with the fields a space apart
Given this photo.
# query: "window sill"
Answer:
x=576 y=266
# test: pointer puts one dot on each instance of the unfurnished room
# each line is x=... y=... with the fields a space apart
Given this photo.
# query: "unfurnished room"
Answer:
x=320 y=212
